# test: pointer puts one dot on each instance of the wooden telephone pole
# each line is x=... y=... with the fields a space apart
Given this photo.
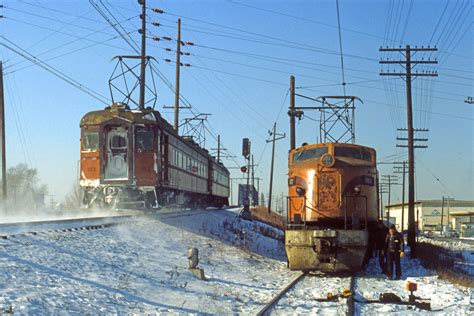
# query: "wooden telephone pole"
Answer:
x=143 y=56
x=2 y=138
x=292 y=113
x=178 y=64
x=274 y=136
x=408 y=74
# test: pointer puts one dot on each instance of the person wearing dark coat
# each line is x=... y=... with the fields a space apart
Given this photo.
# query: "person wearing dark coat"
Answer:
x=394 y=247
x=380 y=235
x=372 y=228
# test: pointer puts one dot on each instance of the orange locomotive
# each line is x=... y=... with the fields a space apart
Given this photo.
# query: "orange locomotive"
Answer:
x=332 y=203
x=135 y=157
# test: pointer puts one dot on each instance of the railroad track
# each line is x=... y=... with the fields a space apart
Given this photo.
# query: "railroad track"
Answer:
x=12 y=229
x=348 y=297
x=8 y=230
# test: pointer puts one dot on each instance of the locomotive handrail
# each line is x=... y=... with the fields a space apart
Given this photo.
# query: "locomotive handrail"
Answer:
x=345 y=210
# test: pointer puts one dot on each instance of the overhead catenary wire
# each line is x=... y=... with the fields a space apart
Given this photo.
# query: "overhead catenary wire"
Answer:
x=18 y=50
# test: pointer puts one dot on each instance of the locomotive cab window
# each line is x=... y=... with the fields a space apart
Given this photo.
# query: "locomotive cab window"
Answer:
x=118 y=142
x=309 y=154
x=144 y=140
x=90 y=140
x=353 y=152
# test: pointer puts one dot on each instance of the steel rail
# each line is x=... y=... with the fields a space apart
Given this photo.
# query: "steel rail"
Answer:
x=279 y=295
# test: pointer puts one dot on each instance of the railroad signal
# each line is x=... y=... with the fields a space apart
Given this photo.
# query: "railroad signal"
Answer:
x=243 y=169
x=245 y=147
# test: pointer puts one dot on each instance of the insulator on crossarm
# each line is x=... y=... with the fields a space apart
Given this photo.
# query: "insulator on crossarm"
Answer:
x=187 y=54
x=168 y=60
x=168 y=49
x=167 y=38
x=156 y=24
x=187 y=65
x=156 y=10
x=156 y=38
x=141 y=16
x=140 y=31
x=189 y=43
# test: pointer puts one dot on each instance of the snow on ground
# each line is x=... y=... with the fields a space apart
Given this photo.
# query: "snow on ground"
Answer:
x=446 y=298
x=303 y=298
x=458 y=247
x=141 y=268
x=451 y=245
x=138 y=268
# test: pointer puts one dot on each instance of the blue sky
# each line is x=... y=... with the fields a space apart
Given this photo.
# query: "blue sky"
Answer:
x=243 y=56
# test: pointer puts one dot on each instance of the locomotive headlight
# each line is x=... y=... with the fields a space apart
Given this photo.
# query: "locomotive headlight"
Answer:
x=327 y=160
x=300 y=191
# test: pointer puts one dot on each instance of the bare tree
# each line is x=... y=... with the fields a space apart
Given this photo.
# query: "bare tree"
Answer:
x=73 y=199
x=24 y=189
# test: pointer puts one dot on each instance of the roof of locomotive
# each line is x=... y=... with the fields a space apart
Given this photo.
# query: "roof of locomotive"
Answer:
x=308 y=146
x=146 y=116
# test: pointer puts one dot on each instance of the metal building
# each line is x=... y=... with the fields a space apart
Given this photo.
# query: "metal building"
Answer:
x=435 y=215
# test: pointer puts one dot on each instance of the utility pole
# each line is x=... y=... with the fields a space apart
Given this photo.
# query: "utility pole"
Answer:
x=143 y=56
x=407 y=74
x=403 y=171
x=253 y=182
x=388 y=181
x=178 y=64
x=218 y=148
x=2 y=138
x=445 y=199
x=292 y=114
x=442 y=214
x=274 y=135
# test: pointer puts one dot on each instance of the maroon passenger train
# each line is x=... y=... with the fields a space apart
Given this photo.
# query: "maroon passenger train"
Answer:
x=136 y=157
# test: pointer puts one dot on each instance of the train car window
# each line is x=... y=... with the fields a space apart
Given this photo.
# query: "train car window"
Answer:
x=351 y=152
x=118 y=141
x=144 y=140
x=90 y=140
x=309 y=154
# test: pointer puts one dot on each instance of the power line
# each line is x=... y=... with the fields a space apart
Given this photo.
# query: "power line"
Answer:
x=18 y=50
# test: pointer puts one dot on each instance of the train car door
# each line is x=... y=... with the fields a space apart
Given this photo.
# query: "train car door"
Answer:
x=145 y=166
x=116 y=153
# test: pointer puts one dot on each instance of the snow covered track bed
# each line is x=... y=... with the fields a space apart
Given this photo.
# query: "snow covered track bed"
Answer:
x=310 y=294
x=445 y=298
x=141 y=268
x=18 y=228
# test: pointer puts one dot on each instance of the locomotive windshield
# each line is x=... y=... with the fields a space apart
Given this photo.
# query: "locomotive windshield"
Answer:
x=353 y=152
x=144 y=139
x=90 y=140
x=309 y=154
x=118 y=141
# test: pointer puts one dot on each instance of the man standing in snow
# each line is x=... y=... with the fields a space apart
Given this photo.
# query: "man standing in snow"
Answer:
x=380 y=235
x=394 y=247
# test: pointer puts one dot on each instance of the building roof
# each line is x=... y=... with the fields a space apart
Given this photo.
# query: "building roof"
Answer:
x=437 y=203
